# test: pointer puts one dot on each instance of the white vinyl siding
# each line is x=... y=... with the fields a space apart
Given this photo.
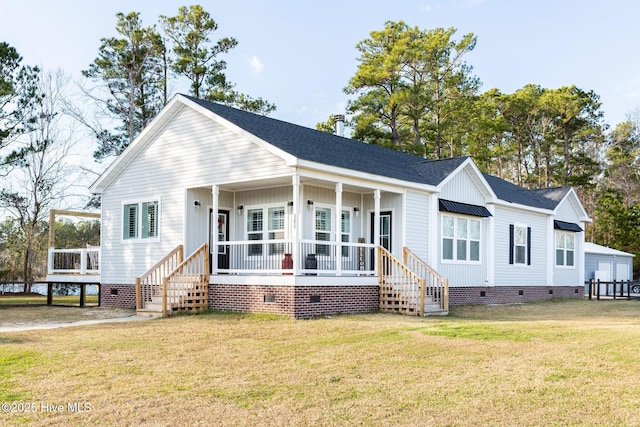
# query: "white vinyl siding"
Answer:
x=510 y=274
x=191 y=150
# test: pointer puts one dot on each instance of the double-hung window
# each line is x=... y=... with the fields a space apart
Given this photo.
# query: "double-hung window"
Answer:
x=266 y=224
x=345 y=231
x=323 y=230
x=565 y=248
x=519 y=244
x=460 y=238
x=141 y=220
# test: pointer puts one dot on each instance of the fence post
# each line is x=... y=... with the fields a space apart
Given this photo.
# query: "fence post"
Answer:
x=598 y=290
x=590 y=289
x=614 y=289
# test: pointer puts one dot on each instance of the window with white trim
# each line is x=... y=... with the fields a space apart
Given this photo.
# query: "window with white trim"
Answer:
x=461 y=238
x=323 y=229
x=345 y=231
x=140 y=220
x=519 y=244
x=266 y=223
x=565 y=249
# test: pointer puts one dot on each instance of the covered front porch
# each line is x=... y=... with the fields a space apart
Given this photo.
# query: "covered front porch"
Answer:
x=305 y=225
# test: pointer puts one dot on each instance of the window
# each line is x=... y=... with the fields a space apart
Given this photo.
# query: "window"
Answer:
x=254 y=229
x=460 y=238
x=266 y=224
x=519 y=244
x=323 y=230
x=130 y=221
x=149 y=220
x=276 y=230
x=345 y=230
x=140 y=220
x=565 y=248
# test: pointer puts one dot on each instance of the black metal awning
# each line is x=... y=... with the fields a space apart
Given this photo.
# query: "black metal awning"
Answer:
x=566 y=226
x=463 y=208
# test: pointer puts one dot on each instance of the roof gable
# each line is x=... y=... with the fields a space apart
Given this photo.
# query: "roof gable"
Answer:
x=333 y=150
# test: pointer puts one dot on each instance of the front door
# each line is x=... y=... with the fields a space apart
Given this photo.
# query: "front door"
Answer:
x=385 y=232
x=222 y=233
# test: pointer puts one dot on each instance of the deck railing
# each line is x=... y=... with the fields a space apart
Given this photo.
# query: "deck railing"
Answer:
x=307 y=257
x=74 y=261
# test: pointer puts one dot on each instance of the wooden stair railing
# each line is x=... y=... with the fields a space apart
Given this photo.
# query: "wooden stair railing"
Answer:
x=436 y=286
x=187 y=287
x=401 y=290
x=149 y=285
x=411 y=286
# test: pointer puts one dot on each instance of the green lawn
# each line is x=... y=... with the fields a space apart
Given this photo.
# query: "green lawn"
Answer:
x=562 y=362
x=42 y=299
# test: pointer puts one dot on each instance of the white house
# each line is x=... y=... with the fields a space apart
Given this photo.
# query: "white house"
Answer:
x=292 y=218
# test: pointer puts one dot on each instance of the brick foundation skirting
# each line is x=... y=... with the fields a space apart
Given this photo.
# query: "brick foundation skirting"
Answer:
x=510 y=294
x=295 y=301
x=122 y=296
x=302 y=302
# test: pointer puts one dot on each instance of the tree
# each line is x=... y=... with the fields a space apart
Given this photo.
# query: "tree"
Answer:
x=132 y=68
x=41 y=178
x=414 y=90
x=194 y=57
x=18 y=98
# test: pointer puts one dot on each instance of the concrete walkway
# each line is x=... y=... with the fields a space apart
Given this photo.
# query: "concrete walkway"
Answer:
x=38 y=326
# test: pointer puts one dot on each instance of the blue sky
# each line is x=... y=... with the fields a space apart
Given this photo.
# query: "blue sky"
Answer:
x=300 y=54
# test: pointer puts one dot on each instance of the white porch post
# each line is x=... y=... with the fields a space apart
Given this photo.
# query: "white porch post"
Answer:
x=215 y=191
x=338 y=228
x=376 y=224
x=296 y=226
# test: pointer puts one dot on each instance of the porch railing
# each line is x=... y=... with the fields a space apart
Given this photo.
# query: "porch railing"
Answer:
x=308 y=257
x=74 y=261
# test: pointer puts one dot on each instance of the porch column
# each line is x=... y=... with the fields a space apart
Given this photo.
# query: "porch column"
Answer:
x=296 y=226
x=213 y=250
x=338 y=228
x=376 y=224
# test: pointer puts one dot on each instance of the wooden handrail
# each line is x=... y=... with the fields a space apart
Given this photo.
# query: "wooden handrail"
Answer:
x=402 y=290
x=438 y=285
x=150 y=283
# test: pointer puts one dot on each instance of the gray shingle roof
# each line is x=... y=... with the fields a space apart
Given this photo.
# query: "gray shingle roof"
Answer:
x=325 y=148
x=547 y=198
x=328 y=149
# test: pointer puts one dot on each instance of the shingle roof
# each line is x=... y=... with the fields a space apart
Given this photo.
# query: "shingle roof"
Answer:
x=547 y=198
x=325 y=148
x=329 y=149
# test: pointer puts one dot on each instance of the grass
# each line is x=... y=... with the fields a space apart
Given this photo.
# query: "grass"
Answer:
x=35 y=299
x=563 y=362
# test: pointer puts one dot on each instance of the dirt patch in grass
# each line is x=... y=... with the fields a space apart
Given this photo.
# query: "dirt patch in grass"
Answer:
x=37 y=315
